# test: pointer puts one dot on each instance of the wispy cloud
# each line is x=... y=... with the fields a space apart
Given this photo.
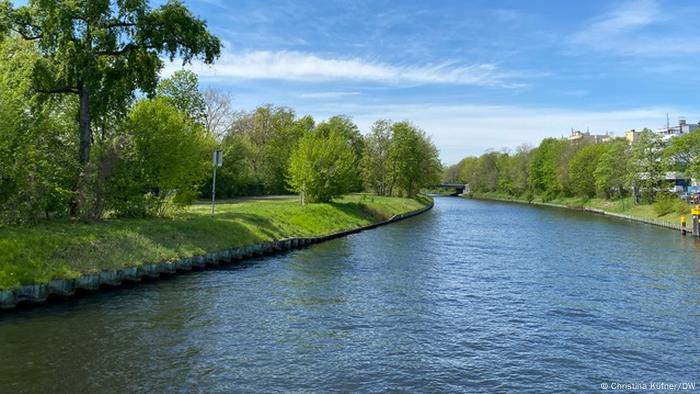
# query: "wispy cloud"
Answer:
x=309 y=67
x=637 y=28
x=327 y=95
x=624 y=18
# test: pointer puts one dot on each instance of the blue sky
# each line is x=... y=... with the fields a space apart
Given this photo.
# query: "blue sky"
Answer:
x=476 y=75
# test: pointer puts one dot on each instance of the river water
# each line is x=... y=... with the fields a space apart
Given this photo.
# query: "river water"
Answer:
x=472 y=296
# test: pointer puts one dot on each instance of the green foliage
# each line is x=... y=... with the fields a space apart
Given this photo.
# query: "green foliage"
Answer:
x=612 y=173
x=111 y=48
x=345 y=127
x=182 y=90
x=557 y=168
x=646 y=170
x=544 y=175
x=375 y=158
x=486 y=174
x=165 y=158
x=269 y=134
x=413 y=160
x=582 y=169
x=36 y=142
x=683 y=154
x=236 y=177
x=102 y=52
x=668 y=203
x=323 y=166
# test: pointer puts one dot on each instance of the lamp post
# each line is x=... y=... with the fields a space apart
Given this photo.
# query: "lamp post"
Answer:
x=217 y=161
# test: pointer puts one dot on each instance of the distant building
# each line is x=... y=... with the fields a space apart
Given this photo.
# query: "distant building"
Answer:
x=682 y=128
x=632 y=136
x=578 y=135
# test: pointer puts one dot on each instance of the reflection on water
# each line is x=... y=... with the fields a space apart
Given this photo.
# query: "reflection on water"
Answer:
x=472 y=296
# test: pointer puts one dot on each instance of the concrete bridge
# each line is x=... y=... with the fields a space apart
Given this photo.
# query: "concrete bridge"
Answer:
x=459 y=188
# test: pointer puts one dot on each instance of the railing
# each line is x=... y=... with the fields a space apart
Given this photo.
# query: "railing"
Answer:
x=655 y=222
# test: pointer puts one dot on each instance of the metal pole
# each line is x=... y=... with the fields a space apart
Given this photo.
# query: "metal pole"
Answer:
x=213 y=191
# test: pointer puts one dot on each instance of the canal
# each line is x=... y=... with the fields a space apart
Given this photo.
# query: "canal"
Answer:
x=471 y=296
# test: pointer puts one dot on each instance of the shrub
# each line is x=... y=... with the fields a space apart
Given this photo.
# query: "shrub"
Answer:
x=165 y=158
x=670 y=203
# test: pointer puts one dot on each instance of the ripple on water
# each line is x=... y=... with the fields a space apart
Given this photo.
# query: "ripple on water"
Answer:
x=471 y=297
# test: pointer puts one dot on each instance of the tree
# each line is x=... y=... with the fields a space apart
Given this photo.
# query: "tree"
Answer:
x=582 y=169
x=612 y=172
x=645 y=164
x=271 y=133
x=164 y=159
x=450 y=174
x=322 y=166
x=467 y=168
x=36 y=144
x=182 y=90
x=413 y=160
x=567 y=151
x=218 y=116
x=520 y=170
x=485 y=175
x=344 y=126
x=683 y=154
x=543 y=168
x=375 y=157
x=103 y=51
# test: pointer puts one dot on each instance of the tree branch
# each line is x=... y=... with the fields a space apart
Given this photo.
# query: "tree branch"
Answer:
x=26 y=36
x=66 y=89
x=125 y=49
x=120 y=24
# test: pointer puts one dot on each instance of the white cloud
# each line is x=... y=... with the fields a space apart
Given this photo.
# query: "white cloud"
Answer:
x=627 y=17
x=308 y=67
x=328 y=95
x=638 y=28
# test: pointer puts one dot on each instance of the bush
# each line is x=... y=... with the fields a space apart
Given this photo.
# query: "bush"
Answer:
x=323 y=166
x=164 y=159
x=670 y=203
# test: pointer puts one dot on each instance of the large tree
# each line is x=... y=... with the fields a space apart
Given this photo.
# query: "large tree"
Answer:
x=544 y=168
x=322 y=166
x=348 y=129
x=104 y=50
x=645 y=164
x=612 y=171
x=36 y=141
x=375 y=157
x=182 y=91
x=413 y=160
x=683 y=154
x=582 y=169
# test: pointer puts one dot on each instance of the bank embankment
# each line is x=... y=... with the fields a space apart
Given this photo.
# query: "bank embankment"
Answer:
x=62 y=257
x=623 y=209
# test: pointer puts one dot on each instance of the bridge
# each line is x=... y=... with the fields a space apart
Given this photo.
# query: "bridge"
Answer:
x=459 y=188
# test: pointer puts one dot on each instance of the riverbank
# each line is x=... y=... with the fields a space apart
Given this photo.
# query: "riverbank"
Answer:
x=55 y=257
x=623 y=208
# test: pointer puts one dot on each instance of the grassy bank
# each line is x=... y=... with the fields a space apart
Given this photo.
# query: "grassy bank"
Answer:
x=62 y=249
x=625 y=206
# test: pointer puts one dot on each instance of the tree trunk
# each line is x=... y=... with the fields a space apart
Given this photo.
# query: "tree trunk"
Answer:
x=85 y=131
x=77 y=206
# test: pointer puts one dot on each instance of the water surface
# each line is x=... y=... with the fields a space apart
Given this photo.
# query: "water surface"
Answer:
x=471 y=296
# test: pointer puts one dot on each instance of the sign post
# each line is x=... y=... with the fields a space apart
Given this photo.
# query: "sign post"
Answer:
x=217 y=161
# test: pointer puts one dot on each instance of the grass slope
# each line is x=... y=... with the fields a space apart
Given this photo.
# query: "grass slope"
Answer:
x=64 y=249
x=623 y=206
